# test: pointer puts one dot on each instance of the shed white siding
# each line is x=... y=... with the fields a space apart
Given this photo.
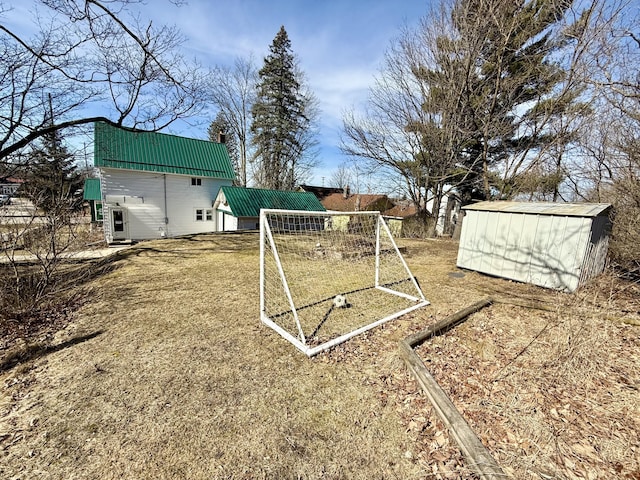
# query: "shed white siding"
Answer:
x=149 y=198
x=551 y=247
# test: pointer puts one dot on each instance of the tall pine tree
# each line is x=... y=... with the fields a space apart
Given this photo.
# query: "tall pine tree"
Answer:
x=53 y=179
x=280 y=122
x=497 y=75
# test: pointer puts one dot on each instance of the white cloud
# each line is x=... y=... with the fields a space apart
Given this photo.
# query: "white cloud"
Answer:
x=340 y=43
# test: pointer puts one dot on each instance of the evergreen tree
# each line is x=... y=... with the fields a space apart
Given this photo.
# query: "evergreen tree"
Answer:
x=280 y=122
x=496 y=68
x=53 y=179
x=219 y=126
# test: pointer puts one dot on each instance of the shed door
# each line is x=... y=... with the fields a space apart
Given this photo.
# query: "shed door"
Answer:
x=119 y=223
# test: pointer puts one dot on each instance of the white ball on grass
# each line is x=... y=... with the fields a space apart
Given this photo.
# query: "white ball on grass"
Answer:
x=339 y=301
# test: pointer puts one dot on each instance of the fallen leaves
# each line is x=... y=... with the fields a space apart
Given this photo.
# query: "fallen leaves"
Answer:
x=553 y=398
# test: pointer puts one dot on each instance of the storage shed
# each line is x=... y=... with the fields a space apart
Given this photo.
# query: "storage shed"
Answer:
x=554 y=245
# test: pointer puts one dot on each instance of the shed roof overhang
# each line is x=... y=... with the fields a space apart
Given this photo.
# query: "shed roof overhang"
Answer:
x=543 y=208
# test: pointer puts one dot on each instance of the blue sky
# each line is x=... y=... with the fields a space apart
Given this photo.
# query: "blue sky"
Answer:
x=340 y=45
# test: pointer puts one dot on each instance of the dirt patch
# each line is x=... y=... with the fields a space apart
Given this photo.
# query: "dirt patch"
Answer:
x=173 y=376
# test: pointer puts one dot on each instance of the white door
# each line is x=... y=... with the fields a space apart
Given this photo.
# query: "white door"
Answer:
x=119 y=224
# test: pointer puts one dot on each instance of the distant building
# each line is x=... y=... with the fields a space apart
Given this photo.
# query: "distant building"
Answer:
x=402 y=209
x=347 y=202
x=395 y=211
x=10 y=185
x=320 y=192
x=449 y=211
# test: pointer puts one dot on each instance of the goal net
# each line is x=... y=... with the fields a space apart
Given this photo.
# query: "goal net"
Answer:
x=326 y=277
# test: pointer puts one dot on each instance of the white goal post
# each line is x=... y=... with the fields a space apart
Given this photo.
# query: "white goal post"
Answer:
x=328 y=276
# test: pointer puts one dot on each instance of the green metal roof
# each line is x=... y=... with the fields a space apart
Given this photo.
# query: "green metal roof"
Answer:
x=92 y=189
x=159 y=152
x=247 y=202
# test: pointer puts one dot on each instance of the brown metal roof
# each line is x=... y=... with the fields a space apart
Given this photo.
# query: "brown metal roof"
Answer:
x=400 y=211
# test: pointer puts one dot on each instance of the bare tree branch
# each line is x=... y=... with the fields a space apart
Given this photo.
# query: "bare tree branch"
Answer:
x=94 y=59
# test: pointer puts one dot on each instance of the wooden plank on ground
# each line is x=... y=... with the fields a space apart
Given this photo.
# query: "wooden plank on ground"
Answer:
x=476 y=454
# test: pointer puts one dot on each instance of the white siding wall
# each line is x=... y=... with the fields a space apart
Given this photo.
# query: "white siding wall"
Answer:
x=226 y=222
x=142 y=194
x=546 y=250
x=449 y=196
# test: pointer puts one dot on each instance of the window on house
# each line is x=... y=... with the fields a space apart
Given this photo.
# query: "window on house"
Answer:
x=196 y=182
x=204 y=214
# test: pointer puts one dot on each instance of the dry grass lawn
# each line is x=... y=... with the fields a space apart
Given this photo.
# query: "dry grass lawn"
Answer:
x=168 y=373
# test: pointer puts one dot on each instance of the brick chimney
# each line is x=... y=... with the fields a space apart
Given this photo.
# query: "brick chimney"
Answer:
x=222 y=138
x=345 y=191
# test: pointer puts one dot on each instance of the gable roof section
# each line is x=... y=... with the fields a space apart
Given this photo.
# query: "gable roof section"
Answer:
x=247 y=202
x=92 y=189
x=401 y=211
x=159 y=152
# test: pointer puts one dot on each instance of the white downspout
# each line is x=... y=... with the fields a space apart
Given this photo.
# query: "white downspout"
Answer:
x=166 y=213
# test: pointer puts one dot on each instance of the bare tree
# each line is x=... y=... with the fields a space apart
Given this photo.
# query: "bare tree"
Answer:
x=610 y=167
x=91 y=56
x=486 y=96
x=233 y=92
x=91 y=60
x=383 y=139
x=342 y=177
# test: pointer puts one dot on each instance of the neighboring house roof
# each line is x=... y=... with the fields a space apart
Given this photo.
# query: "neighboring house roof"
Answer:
x=401 y=211
x=247 y=202
x=320 y=192
x=356 y=202
x=159 y=152
x=92 y=189
x=543 y=208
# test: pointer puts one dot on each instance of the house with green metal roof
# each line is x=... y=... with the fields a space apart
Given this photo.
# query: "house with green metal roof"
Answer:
x=93 y=196
x=155 y=185
x=238 y=208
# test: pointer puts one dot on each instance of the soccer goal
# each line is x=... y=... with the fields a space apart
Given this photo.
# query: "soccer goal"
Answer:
x=326 y=277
